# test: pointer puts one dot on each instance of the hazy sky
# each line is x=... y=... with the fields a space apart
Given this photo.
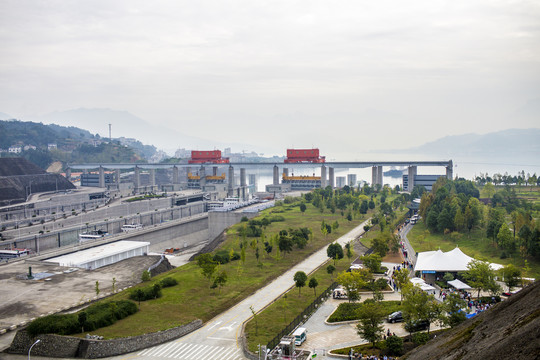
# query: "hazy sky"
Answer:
x=334 y=75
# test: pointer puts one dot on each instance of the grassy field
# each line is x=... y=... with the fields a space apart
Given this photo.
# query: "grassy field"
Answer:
x=529 y=193
x=176 y=306
x=475 y=245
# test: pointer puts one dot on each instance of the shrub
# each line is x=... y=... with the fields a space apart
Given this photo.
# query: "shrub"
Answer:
x=345 y=312
x=97 y=316
x=54 y=324
x=420 y=338
x=394 y=345
x=244 y=219
x=222 y=257
x=147 y=293
x=168 y=282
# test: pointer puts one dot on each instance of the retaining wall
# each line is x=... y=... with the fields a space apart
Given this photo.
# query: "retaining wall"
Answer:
x=68 y=346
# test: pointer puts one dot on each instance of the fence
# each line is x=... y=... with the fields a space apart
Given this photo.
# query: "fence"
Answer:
x=302 y=317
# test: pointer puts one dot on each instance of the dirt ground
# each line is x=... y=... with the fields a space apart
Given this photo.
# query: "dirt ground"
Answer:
x=21 y=299
x=393 y=258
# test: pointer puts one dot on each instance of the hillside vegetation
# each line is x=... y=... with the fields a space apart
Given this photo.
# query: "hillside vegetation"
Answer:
x=73 y=145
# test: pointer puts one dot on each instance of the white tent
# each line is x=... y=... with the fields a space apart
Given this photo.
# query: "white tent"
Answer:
x=450 y=261
x=459 y=285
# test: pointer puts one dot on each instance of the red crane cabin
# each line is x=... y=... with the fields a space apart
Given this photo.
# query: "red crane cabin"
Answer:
x=203 y=157
x=304 y=155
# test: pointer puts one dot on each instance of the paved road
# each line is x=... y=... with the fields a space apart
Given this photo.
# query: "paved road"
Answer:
x=218 y=339
x=411 y=254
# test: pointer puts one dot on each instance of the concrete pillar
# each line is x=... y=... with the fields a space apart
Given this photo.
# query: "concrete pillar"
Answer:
x=276 y=175
x=136 y=177
x=231 y=181
x=152 y=177
x=450 y=171
x=323 y=176
x=411 y=173
x=380 y=175
x=101 y=177
x=175 y=175
x=202 y=181
x=374 y=173
x=214 y=170
x=243 y=177
x=68 y=174
x=117 y=172
x=331 y=177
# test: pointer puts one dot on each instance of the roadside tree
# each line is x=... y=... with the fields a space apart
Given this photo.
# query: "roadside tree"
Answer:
x=480 y=276
x=371 y=316
x=313 y=283
x=300 y=279
x=334 y=251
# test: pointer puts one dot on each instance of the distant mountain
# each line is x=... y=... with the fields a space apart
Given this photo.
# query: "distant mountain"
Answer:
x=512 y=143
x=4 y=116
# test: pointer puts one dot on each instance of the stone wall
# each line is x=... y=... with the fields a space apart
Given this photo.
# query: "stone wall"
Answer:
x=68 y=346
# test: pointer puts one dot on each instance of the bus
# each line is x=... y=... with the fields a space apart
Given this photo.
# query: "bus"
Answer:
x=92 y=235
x=6 y=254
x=131 y=227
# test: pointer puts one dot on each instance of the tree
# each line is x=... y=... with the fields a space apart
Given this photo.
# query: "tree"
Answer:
x=380 y=245
x=511 y=276
x=371 y=316
x=353 y=281
x=255 y=318
x=220 y=280
x=207 y=264
x=97 y=288
x=480 y=276
x=505 y=239
x=113 y=284
x=421 y=306
x=285 y=244
x=139 y=295
x=145 y=275
x=330 y=270
x=401 y=277
x=349 y=250
x=313 y=283
x=372 y=262
x=300 y=279
x=453 y=306
x=303 y=208
x=335 y=251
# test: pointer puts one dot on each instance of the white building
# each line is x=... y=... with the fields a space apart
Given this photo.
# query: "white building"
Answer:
x=15 y=149
x=99 y=256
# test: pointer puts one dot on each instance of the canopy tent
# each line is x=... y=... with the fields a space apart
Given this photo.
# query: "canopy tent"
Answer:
x=459 y=285
x=416 y=280
x=450 y=261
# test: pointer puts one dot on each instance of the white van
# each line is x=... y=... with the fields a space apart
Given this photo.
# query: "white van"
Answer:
x=300 y=336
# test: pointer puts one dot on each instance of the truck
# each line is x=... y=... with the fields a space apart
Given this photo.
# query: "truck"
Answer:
x=300 y=335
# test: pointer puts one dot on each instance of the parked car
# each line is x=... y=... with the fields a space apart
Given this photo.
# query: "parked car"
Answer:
x=395 y=317
x=415 y=326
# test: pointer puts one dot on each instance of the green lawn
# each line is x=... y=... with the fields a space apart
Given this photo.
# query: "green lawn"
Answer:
x=475 y=245
x=176 y=307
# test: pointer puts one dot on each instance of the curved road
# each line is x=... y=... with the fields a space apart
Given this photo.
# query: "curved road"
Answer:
x=218 y=339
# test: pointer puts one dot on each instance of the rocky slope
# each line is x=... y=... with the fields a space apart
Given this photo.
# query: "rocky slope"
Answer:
x=509 y=330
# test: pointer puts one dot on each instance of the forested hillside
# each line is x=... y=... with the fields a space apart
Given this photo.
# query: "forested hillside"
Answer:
x=72 y=144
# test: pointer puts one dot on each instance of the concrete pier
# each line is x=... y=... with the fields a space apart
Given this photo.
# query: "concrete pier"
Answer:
x=101 y=177
x=276 y=175
x=230 y=189
x=137 y=177
x=323 y=176
x=331 y=179
x=411 y=174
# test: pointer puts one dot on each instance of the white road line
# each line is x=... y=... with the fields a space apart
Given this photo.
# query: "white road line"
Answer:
x=165 y=349
x=216 y=353
x=219 y=338
x=215 y=324
x=187 y=348
x=199 y=352
x=191 y=351
x=234 y=352
x=178 y=350
x=220 y=354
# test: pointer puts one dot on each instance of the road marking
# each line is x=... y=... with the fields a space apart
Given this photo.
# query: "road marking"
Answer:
x=216 y=324
x=218 y=338
x=229 y=328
